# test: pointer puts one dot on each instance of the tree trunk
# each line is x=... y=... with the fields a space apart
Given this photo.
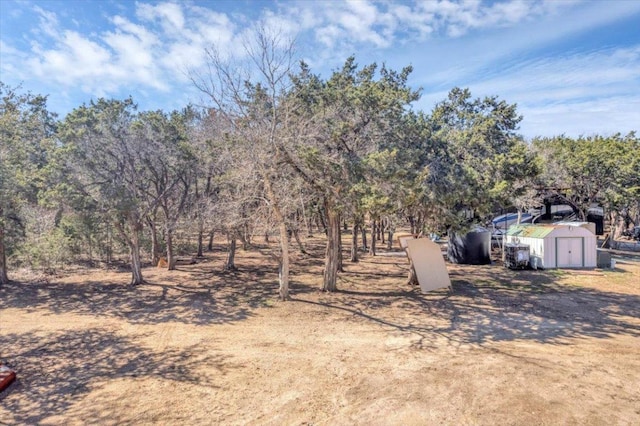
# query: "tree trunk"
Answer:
x=4 y=277
x=90 y=248
x=283 y=270
x=378 y=229
x=132 y=237
x=136 y=267
x=322 y=221
x=332 y=253
x=296 y=235
x=109 y=245
x=363 y=229
x=210 y=245
x=230 y=264
x=617 y=227
x=340 y=265
x=171 y=257
x=200 y=242
x=412 y=224
x=307 y=223
x=372 y=248
x=390 y=239
x=309 y=229
x=246 y=237
x=420 y=223
x=136 y=263
x=155 y=250
x=354 y=242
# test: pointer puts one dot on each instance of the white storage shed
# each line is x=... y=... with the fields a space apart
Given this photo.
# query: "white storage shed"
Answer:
x=556 y=246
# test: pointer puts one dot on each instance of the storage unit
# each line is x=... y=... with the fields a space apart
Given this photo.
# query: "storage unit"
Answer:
x=556 y=246
x=604 y=259
x=516 y=256
x=473 y=248
x=589 y=225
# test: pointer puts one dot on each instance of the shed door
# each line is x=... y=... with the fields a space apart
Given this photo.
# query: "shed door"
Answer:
x=569 y=253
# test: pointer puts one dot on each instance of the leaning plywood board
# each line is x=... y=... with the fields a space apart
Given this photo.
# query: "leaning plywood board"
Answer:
x=403 y=238
x=429 y=264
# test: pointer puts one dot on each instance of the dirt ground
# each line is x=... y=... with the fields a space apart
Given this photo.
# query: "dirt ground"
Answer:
x=196 y=346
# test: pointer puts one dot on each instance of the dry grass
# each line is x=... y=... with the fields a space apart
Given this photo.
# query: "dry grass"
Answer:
x=196 y=346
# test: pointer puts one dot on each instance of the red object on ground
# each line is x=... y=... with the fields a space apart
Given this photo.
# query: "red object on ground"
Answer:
x=7 y=376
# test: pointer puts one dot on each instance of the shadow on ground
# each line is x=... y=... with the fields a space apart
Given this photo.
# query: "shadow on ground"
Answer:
x=489 y=304
x=59 y=369
x=196 y=296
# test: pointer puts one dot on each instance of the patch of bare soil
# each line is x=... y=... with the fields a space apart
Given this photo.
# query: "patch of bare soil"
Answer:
x=197 y=346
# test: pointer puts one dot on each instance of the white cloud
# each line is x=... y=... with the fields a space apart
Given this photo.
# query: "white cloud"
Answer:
x=8 y=50
x=170 y=15
x=348 y=23
x=48 y=23
x=406 y=20
x=328 y=35
x=280 y=24
x=479 y=44
x=10 y=64
x=139 y=31
x=74 y=57
x=170 y=37
x=360 y=20
x=584 y=93
x=458 y=18
x=203 y=28
x=99 y=65
x=306 y=17
x=603 y=116
x=142 y=54
x=513 y=12
x=384 y=24
x=552 y=78
x=458 y=61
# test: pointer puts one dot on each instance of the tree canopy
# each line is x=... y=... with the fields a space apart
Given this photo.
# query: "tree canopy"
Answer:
x=276 y=148
x=27 y=132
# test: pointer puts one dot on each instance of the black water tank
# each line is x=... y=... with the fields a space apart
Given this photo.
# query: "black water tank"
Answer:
x=473 y=248
x=599 y=221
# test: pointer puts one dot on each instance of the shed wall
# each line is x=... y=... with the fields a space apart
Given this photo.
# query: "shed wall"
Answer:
x=591 y=252
x=590 y=244
x=543 y=250
x=537 y=255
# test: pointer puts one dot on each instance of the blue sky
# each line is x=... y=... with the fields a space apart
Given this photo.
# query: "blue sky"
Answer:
x=573 y=67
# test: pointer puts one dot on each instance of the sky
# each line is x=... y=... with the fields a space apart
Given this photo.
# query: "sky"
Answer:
x=571 y=66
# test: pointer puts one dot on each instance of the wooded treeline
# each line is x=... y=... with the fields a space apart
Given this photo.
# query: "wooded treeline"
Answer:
x=280 y=152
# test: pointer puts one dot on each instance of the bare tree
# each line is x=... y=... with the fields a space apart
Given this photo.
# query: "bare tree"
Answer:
x=248 y=93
